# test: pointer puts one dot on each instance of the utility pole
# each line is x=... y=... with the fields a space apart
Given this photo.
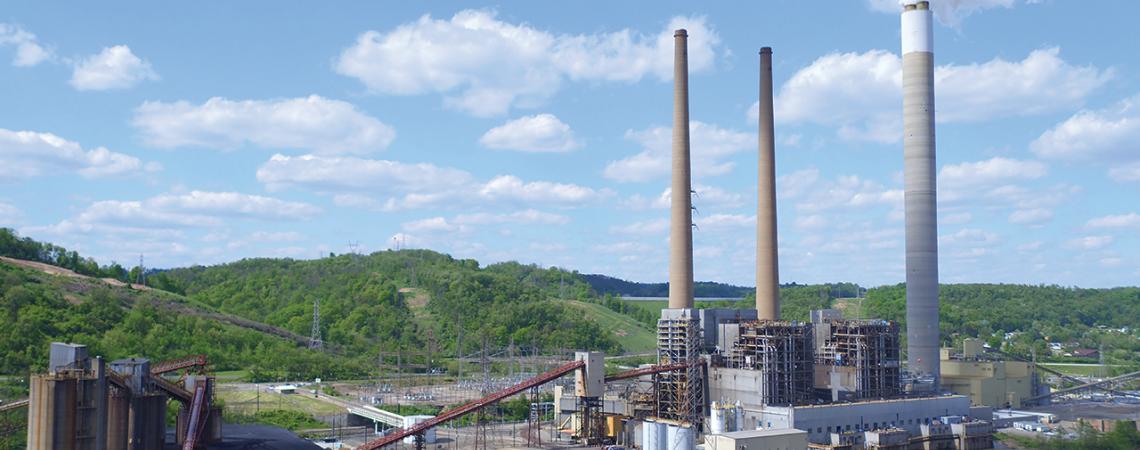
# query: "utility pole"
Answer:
x=142 y=271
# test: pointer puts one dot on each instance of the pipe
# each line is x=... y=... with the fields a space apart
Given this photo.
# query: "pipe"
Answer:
x=767 y=260
x=919 y=182
x=681 y=223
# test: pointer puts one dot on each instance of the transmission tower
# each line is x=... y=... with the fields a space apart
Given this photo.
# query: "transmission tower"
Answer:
x=142 y=271
x=315 y=341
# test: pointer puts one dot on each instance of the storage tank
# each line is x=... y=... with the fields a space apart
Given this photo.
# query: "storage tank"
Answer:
x=679 y=438
x=653 y=436
x=717 y=418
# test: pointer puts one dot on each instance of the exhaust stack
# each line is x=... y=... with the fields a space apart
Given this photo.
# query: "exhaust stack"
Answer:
x=681 y=223
x=767 y=261
x=922 y=330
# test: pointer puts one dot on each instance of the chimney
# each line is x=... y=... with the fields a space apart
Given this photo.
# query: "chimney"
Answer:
x=922 y=331
x=681 y=222
x=767 y=262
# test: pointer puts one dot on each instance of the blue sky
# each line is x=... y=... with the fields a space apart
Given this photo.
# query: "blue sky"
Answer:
x=538 y=132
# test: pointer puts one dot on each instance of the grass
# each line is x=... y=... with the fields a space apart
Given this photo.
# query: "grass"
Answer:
x=632 y=335
x=246 y=401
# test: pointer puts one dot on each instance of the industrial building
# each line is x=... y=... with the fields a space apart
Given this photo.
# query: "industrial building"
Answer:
x=82 y=403
x=992 y=382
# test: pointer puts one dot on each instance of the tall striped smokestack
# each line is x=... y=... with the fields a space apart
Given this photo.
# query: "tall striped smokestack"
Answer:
x=919 y=191
x=681 y=223
x=767 y=263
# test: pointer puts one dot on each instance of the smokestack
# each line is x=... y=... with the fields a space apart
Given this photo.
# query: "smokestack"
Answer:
x=767 y=263
x=681 y=223
x=919 y=190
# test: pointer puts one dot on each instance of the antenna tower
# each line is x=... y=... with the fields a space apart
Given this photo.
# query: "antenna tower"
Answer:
x=315 y=341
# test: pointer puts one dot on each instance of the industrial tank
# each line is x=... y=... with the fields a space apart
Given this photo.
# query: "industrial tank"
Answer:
x=679 y=438
x=653 y=436
x=717 y=418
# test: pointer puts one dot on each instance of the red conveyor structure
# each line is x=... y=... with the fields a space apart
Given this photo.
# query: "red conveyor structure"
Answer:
x=469 y=408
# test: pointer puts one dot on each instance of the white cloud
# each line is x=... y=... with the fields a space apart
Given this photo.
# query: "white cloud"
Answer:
x=846 y=191
x=326 y=173
x=511 y=188
x=513 y=65
x=654 y=226
x=25 y=154
x=1111 y=262
x=411 y=186
x=166 y=214
x=466 y=222
x=622 y=247
x=9 y=214
x=529 y=216
x=704 y=196
x=724 y=221
x=1125 y=172
x=542 y=133
x=710 y=145
x=276 y=236
x=1033 y=216
x=1030 y=246
x=314 y=123
x=430 y=225
x=1106 y=136
x=1115 y=221
x=29 y=51
x=989 y=171
x=860 y=93
x=955 y=218
x=948 y=12
x=113 y=68
x=1089 y=242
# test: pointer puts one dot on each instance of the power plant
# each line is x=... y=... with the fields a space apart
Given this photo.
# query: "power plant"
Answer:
x=729 y=378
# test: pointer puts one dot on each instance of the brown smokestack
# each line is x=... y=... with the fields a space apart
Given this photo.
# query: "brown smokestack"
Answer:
x=767 y=263
x=681 y=223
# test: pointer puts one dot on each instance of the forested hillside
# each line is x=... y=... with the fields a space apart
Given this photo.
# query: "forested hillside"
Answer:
x=1037 y=315
x=363 y=310
x=603 y=284
x=118 y=322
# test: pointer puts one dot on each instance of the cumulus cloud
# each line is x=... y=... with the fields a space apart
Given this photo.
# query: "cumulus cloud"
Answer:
x=846 y=191
x=654 y=226
x=1089 y=242
x=113 y=68
x=538 y=133
x=710 y=146
x=860 y=93
x=1033 y=216
x=26 y=154
x=509 y=187
x=513 y=65
x=703 y=196
x=167 y=213
x=1102 y=137
x=411 y=186
x=1130 y=220
x=314 y=123
x=466 y=222
x=29 y=51
x=948 y=12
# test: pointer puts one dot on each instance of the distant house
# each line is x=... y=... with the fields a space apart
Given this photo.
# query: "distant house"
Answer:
x=1086 y=353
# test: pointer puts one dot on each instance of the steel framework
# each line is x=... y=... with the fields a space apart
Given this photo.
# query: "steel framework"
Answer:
x=869 y=348
x=782 y=352
x=680 y=394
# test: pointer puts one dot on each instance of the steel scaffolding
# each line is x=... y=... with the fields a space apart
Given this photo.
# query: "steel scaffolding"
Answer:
x=782 y=352
x=680 y=394
x=870 y=349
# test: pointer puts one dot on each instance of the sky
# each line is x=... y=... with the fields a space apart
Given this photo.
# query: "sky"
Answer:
x=203 y=133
